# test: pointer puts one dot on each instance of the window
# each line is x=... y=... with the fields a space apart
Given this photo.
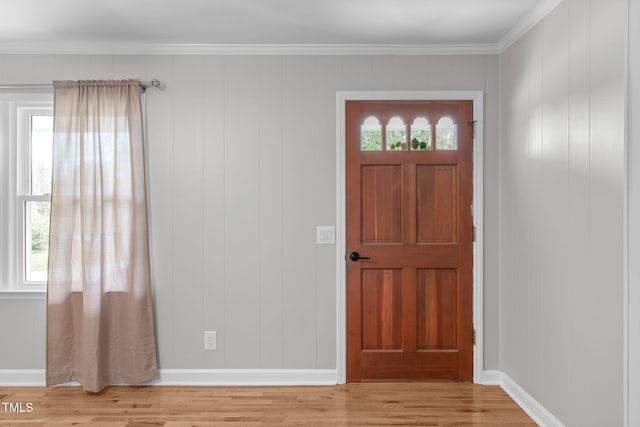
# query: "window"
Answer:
x=396 y=134
x=371 y=135
x=419 y=133
x=26 y=141
x=35 y=141
x=446 y=134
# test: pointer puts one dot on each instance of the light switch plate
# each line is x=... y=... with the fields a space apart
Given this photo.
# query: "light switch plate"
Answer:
x=326 y=234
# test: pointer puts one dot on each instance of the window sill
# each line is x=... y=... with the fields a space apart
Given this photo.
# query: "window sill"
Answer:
x=23 y=294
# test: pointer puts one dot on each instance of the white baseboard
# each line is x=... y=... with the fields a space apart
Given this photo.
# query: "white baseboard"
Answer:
x=22 y=377
x=531 y=406
x=491 y=377
x=197 y=377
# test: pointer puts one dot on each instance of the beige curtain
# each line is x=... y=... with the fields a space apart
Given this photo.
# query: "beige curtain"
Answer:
x=99 y=308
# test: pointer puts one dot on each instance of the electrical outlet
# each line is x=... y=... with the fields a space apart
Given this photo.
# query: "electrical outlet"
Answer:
x=210 y=341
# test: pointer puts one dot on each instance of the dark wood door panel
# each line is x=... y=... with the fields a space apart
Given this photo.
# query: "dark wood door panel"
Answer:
x=437 y=309
x=381 y=309
x=437 y=195
x=381 y=204
x=419 y=366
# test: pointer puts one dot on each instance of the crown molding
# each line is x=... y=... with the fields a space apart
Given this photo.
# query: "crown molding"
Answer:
x=527 y=23
x=88 y=48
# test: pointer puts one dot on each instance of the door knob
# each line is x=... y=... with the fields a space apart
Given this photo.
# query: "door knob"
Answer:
x=355 y=256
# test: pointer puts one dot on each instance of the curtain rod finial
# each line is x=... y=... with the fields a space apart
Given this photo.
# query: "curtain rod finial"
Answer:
x=158 y=84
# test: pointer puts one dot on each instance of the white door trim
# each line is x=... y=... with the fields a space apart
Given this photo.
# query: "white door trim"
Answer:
x=478 y=161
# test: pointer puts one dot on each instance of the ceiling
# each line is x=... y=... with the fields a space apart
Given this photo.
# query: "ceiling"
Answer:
x=29 y=24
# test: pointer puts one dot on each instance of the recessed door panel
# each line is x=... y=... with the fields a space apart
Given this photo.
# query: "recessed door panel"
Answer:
x=437 y=309
x=381 y=309
x=437 y=203
x=381 y=204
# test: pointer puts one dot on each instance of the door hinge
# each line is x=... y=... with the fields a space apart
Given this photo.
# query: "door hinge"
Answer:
x=473 y=128
x=474 y=337
x=473 y=233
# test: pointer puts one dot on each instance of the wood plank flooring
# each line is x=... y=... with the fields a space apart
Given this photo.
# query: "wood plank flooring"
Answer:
x=414 y=404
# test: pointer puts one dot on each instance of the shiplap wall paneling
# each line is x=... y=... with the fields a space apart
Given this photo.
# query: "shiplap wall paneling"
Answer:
x=299 y=168
x=127 y=67
x=214 y=307
x=159 y=105
x=325 y=187
x=491 y=167
x=462 y=72
x=633 y=361
x=553 y=212
x=581 y=285
x=513 y=158
x=28 y=69
x=241 y=156
x=101 y=67
x=242 y=196
x=562 y=208
x=188 y=215
x=535 y=246
x=271 y=225
x=79 y=66
x=606 y=165
x=23 y=343
x=358 y=73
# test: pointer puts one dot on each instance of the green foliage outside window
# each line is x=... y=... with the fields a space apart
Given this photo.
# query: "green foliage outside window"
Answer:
x=371 y=140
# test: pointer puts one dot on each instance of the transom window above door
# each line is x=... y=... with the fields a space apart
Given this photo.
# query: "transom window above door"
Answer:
x=418 y=133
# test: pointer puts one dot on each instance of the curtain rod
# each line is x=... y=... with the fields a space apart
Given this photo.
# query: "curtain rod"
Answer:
x=143 y=85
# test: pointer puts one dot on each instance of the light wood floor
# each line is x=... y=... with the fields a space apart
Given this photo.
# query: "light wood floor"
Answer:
x=415 y=404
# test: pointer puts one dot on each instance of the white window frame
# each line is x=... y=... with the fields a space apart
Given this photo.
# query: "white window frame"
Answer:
x=16 y=110
x=24 y=143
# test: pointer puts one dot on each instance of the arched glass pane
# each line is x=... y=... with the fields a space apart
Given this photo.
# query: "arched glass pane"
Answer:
x=396 y=134
x=421 y=134
x=371 y=134
x=446 y=134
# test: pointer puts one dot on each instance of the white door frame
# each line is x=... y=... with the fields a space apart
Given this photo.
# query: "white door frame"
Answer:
x=478 y=157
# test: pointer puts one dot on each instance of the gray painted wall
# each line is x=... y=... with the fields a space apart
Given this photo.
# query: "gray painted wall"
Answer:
x=241 y=169
x=633 y=362
x=562 y=234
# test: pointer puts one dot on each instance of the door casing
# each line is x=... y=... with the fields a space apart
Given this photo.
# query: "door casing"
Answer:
x=478 y=161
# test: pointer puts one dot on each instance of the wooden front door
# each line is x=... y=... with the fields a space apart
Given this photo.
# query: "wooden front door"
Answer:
x=409 y=240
